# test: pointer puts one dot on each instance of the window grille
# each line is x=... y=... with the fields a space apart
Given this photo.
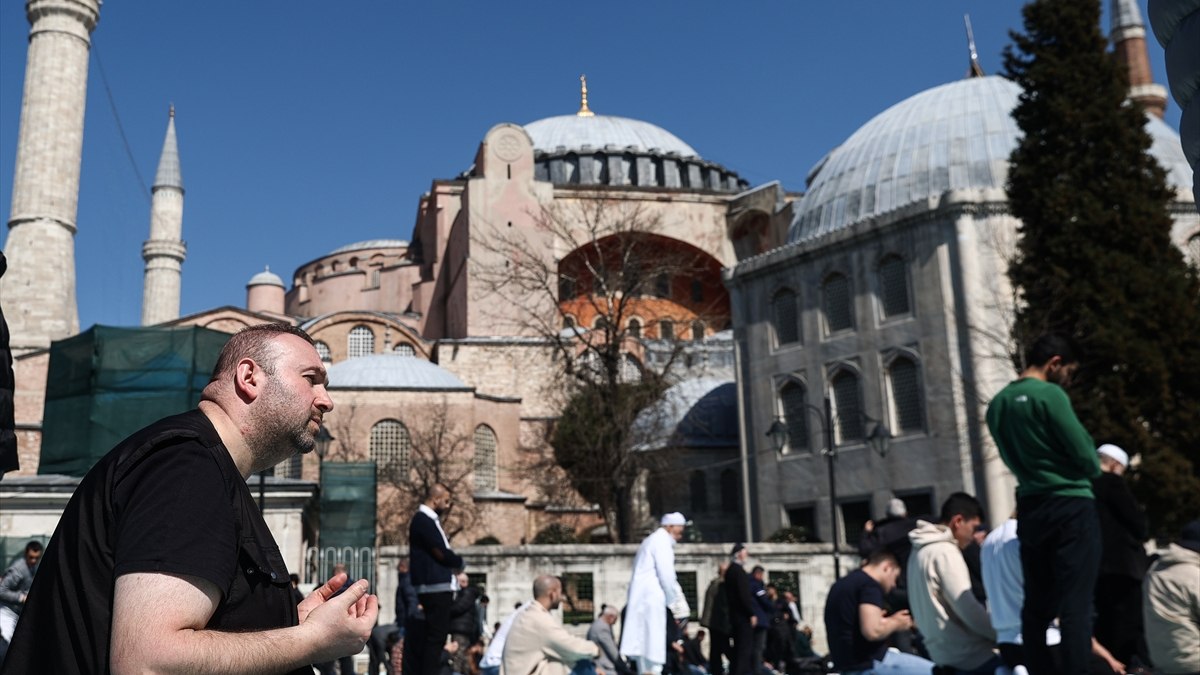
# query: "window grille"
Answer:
x=795 y=415
x=390 y=447
x=786 y=580
x=290 y=467
x=838 y=314
x=785 y=317
x=893 y=286
x=687 y=582
x=323 y=351
x=361 y=342
x=485 y=458
x=404 y=349
x=849 y=407
x=578 y=605
x=906 y=395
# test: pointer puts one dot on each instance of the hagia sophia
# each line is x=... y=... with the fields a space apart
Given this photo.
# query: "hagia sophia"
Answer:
x=878 y=287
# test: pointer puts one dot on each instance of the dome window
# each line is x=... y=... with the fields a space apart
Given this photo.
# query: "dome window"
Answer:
x=360 y=342
x=635 y=328
x=666 y=329
x=404 y=349
x=323 y=352
x=390 y=448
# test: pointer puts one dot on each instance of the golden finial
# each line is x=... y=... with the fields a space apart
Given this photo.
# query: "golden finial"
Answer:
x=583 y=109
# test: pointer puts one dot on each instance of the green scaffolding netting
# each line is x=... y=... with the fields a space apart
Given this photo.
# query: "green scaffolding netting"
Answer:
x=106 y=383
x=347 y=505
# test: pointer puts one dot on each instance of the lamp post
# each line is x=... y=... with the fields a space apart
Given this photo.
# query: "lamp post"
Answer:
x=877 y=440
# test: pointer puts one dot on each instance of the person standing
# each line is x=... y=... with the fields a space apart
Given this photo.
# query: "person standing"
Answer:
x=955 y=624
x=406 y=606
x=764 y=608
x=1123 y=560
x=1054 y=459
x=741 y=612
x=433 y=566
x=162 y=562
x=715 y=618
x=652 y=588
x=464 y=622
x=14 y=588
x=857 y=625
x=537 y=644
x=1172 y=605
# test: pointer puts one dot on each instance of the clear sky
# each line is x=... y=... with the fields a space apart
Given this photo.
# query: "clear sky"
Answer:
x=304 y=126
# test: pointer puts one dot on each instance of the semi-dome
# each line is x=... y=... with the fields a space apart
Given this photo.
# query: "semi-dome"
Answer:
x=597 y=132
x=265 y=278
x=370 y=243
x=954 y=136
x=392 y=371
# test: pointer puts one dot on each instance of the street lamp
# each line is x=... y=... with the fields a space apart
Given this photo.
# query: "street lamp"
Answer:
x=323 y=439
x=877 y=440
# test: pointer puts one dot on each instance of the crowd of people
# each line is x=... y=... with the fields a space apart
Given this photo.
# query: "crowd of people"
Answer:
x=162 y=562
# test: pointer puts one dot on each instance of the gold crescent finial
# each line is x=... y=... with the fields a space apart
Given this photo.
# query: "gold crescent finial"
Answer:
x=583 y=107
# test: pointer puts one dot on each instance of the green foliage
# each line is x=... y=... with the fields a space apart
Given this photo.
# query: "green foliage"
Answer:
x=556 y=533
x=1095 y=259
x=793 y=534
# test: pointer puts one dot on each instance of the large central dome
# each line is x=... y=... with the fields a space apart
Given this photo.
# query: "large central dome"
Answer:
x=575 y=133
x=954 y=136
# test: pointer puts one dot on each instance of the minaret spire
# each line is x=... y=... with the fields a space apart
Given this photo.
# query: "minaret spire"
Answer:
x=974 y=69
x=1128 y=36
x=164 y=251
x=583 y=106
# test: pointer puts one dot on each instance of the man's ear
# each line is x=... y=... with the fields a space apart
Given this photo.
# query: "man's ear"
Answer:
x=248 y=380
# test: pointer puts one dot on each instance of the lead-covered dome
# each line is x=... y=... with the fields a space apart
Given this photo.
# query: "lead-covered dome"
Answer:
x=588 y=134
x=392 y=371
x=954 y=136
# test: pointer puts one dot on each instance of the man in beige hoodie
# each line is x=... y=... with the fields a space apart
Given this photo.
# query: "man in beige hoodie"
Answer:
x=955 y=624
x=537 y=644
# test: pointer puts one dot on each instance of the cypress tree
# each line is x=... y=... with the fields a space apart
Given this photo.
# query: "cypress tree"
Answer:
x=1095 y=259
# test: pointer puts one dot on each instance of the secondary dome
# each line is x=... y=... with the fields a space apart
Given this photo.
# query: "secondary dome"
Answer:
x=370 y=243
x=266 y=278
x=954 y=136
x=391 y=371
x=598 y=132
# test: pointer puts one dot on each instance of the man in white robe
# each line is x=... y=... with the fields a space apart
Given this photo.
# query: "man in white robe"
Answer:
x=652 y=589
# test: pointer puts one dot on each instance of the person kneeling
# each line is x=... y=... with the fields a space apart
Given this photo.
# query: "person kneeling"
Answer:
x=539 y=645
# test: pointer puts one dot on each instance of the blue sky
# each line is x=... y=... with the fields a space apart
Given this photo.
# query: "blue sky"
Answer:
x=304 y=126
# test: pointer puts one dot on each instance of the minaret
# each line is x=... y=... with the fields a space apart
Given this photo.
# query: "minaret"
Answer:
x=38 y=291
x=1128 y=36
x=164 y=251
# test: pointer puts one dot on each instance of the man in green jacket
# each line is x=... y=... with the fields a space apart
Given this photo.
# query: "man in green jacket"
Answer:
x=1054 y=459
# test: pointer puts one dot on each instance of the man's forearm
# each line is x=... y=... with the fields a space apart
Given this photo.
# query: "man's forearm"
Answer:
x=205 y=651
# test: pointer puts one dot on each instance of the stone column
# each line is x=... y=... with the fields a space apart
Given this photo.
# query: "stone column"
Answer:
x=38 y=291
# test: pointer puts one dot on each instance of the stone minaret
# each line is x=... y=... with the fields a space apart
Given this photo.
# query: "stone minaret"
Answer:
x=164 y=250
x=38 y=291
x=1128 y=36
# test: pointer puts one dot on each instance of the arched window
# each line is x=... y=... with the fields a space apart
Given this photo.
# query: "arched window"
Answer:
x=666 y=329
x=697 y=330
x=568 y=321
x=662 y=285
x=847 y=401
x=361 y=342
x=893 y=286
x=601 y=323
x=697 y=492
x=485 y=458
x=404 y=349
x=729 y=492
x=323 y=351
x=795 y=415
x=785 y=316
x=631 y=368
x=835 y=293
x=904 y=389
x=390 y=447
x=635 y=328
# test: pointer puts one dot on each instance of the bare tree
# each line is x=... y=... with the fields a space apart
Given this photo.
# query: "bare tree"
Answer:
x=600 y=284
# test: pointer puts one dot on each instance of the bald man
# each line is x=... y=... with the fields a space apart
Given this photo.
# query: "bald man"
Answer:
x=539 y=645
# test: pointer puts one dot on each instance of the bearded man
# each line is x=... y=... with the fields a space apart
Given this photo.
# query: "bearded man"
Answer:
x=162 y=561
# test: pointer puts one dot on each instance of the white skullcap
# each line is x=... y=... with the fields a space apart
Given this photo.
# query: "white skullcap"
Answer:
x=675 y=518
x=1113 y=452
x=896 y=508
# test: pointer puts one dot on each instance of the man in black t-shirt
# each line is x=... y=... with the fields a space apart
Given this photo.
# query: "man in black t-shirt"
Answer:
x=857 y=626
x=162 y=562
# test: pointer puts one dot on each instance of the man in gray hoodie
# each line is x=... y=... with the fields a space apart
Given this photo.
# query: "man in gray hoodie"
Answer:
x=955 y=624
x=14 y=587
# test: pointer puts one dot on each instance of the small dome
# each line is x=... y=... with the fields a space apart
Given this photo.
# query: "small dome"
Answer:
x=955 y=136
x=572 y=132
x=392 y=371
x=265 y=278
x=370 y=243
x=695 y=413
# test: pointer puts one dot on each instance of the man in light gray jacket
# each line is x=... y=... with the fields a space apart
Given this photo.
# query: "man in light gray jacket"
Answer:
x=601 y=632
x=14 y=587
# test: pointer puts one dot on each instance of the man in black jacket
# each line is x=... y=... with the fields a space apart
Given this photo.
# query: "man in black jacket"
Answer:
x=464 y=622
x=1123 y=560
x=433 y=568
x=741 y=612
